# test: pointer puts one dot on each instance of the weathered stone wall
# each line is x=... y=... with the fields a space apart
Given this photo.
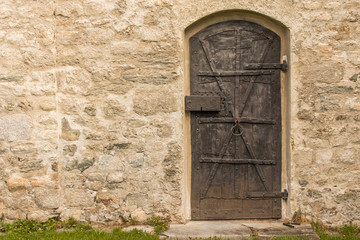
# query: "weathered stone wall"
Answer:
x=92 y=117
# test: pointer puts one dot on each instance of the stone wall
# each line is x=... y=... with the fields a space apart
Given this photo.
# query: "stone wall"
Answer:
x=92 y=117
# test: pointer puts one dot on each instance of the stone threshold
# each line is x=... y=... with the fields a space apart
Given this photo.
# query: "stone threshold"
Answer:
x=237 y=229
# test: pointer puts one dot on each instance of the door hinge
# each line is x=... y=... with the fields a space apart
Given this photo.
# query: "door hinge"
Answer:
x=284 y=194
x=256 y=66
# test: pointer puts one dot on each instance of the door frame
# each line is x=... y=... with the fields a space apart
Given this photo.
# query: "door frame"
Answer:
x=283 y=32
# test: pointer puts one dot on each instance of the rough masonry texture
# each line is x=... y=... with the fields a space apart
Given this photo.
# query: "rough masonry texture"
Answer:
x=92 y=107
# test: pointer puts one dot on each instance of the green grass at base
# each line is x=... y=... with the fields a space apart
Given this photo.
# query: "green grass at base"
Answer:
x=86 y=235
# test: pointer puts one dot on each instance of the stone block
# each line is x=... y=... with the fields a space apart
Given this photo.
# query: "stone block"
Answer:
x=302 y=158
x=152 y=100
x=323 y=156
x=123 y=47
x=137 y=161
x=137 y=123
x=326 y=72
x=69 y=149
x=137 y=199
x=73 y=80
x=11 y=79
x=105 y=198
x=80 y=198
x=15 y=127
x=82 y=163
x=164 y=130
x=90 y=110
x=49 y=121
x=74 y=179
x=40 y=216
x=23 y=148
x=48 y=105
x=47 y=198
x=66 y=214
x=28 y=165
x=346 y=156
x=116 y=177
x=139 y=215
x=113 y=110
x=66 y=9
x=94 y=185
x=94 y=135
x=96 y=176
x=108 y=162
x=17 y=184
x=67 y=133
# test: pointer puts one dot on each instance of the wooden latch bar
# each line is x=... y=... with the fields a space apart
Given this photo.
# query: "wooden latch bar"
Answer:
x=202 y=103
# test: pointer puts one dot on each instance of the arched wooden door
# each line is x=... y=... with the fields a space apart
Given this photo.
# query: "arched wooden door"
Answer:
x=235 y=122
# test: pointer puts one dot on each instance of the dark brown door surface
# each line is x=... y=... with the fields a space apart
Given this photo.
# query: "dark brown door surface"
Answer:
x=236 y=149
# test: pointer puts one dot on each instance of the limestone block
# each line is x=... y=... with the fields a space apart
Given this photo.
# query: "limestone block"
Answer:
x=73 y=80
x=94 y=185
x=113 y=110
x=42 y=90
x=105 y=198
x=82 y=163
x=67 y=132
x=323 y=156
x=36 y=57
x=78 y=198
x=108 y=162
x=90 y=110
x=160 y=77
x=100 y=35
x=353 y=103
x=94 y=135
x=139 y=215
x=137 y=199
x=11 y=79
x=69 y=149
x=151 y=34
x=69 y=9
x=124 y=47
x=23 y=148
x=74 y=179
x=48 y=121
x=26 y=164
x=118 y=146
x=68 y=105
x=48 y=105
x=164 y=130
x=152 y=100
x=326 y=72
x=17 y=184
x=40 y=216
x=137 y=161
x=96 y=176
x=43 y=182
x=137 y=123
x=346 y=156
x=3 y=150
x=15 y=127
x=11 y=214
x=47 y=198
x=115 y=177
x=71 y=213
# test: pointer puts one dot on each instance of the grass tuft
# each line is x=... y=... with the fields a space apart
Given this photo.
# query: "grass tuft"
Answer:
x=160 y=224
x=345 y=232
x=87 y=235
